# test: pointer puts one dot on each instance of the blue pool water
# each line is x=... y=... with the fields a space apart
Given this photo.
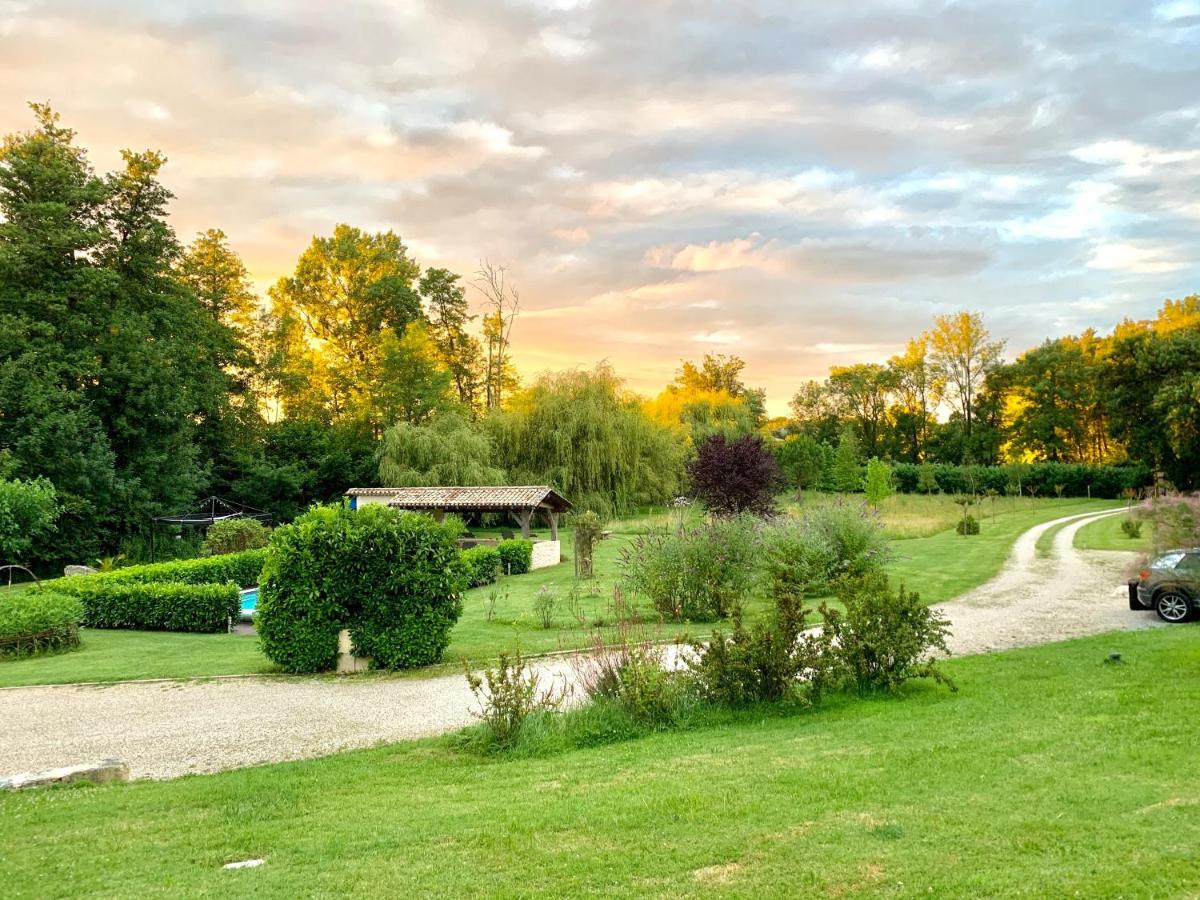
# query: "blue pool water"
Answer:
x=249 y=602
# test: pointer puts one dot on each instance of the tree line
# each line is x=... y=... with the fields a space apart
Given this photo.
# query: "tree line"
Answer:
x=138 y=373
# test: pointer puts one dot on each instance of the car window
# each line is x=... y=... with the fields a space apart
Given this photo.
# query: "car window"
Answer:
x=1189 y=563
x=1168 y=561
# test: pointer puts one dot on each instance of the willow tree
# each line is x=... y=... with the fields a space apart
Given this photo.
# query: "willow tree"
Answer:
x=448 y=450
x=590 y=438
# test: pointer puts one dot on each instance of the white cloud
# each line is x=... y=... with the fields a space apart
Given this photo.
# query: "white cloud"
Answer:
x=1140 y=257
x=717 y=337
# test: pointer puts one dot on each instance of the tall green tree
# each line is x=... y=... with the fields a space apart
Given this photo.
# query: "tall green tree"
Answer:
x=333 y=315
x=918 y=388
x=862 y=391
x=459 y=352
x=965 y=354
x=721 y=373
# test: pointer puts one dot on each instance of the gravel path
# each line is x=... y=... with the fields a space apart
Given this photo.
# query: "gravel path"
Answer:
x=166 y=729
x=1035 y=600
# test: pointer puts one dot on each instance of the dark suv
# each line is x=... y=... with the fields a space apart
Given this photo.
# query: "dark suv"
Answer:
x=1170 y=585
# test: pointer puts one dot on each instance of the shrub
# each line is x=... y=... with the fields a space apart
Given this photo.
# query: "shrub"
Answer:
x=392 y=578
x=234 y=536
x=926 y=478
x=1174 y=521
x=967 y=525
x=508 y=695
x=154 y=606
x=1132 y=528
x=516 y=556
x=884 y=638
x=543 y=606
x=39 y=621
x=696 y=574
x=803 y=460
x=242 y=569
x=731 y=477
x=482 y=565
x=804 y=557
x=773 y=661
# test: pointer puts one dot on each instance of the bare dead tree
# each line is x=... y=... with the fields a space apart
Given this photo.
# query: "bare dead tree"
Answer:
x=502 y=303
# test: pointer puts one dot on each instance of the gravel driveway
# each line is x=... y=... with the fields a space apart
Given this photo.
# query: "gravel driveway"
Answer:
x=166 y=729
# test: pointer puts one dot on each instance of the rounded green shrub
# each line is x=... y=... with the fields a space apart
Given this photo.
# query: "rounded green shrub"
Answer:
x=394 y=579
x=968 y=524
x=516 y=556
x=482 y=565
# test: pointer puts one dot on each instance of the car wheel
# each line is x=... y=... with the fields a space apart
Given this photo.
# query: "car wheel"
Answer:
x=1173 y=606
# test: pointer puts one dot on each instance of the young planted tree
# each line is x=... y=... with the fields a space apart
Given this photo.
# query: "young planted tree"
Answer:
x=879 y=485
x=733 y=477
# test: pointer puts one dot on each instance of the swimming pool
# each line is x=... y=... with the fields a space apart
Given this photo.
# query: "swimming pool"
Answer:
x=249 y=603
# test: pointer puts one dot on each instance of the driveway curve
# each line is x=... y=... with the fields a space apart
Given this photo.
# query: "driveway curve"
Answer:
x=167 y=729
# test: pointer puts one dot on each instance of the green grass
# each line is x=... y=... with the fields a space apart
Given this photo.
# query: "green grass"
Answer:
x=1051 y=773
x=124 y=655
x=939 y=565
x=1106 y=534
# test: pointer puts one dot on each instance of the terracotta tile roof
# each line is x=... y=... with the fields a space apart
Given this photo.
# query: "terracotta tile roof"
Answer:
x=485 y=497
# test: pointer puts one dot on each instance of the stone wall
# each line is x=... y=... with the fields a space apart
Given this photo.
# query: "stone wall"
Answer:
x=545 y=553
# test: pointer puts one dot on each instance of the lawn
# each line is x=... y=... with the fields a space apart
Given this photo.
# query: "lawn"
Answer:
x=1106 y=534
x=940 y=565
x=125 y=655
x=1053 y=772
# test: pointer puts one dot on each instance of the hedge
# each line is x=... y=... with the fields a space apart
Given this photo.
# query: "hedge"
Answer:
x=482 y=565
x=393 y=578
x=242 y=569
x=1076 y=479
x=39 y=621
x=516 y=556
x=155 y=606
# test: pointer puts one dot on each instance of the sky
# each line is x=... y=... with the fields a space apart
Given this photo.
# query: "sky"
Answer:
x=803 y=184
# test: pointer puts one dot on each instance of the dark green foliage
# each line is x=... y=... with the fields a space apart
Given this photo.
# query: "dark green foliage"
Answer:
x=772 y=661
x=39 y=621
x=243 y=569
x=804 y=461
x=1105 y=481
x=154 y=606
x=698 y=574
x=967 y=525
x=483 y=565
x=516 y=556
x=845 y=474
x=884 y=637
x=235 y=536
x=392 y=578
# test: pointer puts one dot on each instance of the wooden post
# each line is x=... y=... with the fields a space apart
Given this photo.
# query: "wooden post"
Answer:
x=553 y=514
x=524 y=516
x=439 y=515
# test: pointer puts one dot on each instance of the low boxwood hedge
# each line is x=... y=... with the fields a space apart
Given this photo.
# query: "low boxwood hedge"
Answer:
x=154 y=606
x=393 y=578
x=516 y=556
x=39 y=621
x=241 y=568
x=483 y=565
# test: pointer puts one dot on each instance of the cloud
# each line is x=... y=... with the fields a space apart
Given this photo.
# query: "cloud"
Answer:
x=1140 y=258
x=796 y=183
